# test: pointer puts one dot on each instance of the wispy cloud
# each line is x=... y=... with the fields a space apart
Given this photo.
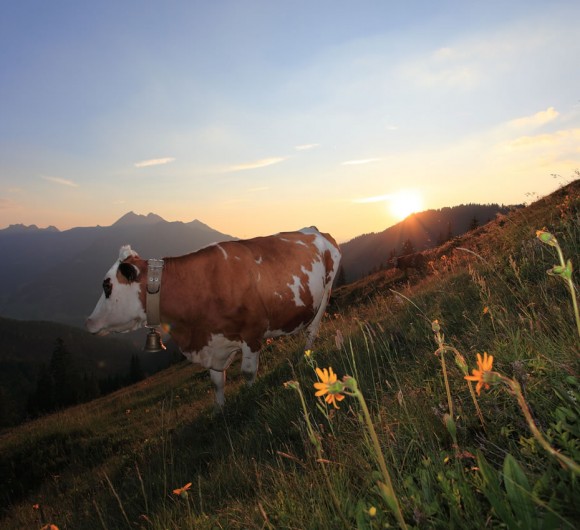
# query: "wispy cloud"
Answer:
x=562 y=139
x=535 y=120
x=61 y=181
x=6 y=204
x=306 y=147
x=154 y=162
x=360 y=162
x=257 y=164
x=446 y=68
x=376 y=198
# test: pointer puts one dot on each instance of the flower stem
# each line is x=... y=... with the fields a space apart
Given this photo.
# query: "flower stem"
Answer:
x=477 y=409
x=515 y=387
x=444 y=368
x=318 y=447
x=570 y=284
x=390 y=495
x=460 y=361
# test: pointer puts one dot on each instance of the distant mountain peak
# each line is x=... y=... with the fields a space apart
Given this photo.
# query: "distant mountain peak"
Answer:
x=131 y=218
x=21 y=228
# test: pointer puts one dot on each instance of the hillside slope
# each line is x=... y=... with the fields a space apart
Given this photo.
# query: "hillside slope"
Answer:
x=496 y=237
x=424 y=230
x=452 y=454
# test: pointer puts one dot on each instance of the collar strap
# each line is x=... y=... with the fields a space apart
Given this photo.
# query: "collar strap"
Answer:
x=154 y=273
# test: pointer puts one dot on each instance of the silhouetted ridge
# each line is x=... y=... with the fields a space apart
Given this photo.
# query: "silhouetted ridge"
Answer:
x=131 y=218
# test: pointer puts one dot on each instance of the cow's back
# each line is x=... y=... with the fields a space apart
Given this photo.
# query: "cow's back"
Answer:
x=292 y=273
x=252 y=289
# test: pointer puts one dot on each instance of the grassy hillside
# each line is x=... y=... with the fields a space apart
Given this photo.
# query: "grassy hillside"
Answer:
x=430 y=454
x=424 y=230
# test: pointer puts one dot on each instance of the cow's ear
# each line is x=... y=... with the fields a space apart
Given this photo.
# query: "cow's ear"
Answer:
x=125 y=252
x=130 y=272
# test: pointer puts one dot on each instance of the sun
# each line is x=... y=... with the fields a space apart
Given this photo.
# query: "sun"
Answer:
x=405 y=202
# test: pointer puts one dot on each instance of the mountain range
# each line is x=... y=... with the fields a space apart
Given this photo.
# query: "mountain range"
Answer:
x=56 y=276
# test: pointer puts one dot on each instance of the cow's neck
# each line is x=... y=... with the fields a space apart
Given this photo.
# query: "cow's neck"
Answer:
x=177 y=307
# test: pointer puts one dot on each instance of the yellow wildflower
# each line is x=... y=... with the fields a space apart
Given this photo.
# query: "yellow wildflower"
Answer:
x=329 y=385
x=182 y=491
x=307 y=353
x=484 y=364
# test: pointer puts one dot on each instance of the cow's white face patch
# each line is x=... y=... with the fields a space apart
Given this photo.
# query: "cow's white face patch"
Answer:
x=119 y=308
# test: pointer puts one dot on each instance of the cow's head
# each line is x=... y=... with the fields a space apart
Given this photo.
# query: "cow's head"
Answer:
x=120 y=307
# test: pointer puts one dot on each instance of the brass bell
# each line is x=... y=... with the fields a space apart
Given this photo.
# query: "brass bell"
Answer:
x=153 y=342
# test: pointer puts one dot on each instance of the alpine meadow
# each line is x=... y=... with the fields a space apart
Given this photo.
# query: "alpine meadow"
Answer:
x=440 y=393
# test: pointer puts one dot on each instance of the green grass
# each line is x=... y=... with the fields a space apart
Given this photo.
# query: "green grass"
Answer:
x=115 y=462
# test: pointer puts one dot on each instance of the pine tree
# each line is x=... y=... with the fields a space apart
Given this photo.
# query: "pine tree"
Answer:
x=449 y=235
x=392 y=259
x=408 y=248
x=42 y=400
x=90 y=388
x=66 y=379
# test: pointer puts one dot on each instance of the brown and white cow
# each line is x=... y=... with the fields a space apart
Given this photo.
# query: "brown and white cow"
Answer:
x=226 y=298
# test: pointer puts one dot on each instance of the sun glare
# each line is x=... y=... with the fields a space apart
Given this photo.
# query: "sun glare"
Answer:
x=404 y=203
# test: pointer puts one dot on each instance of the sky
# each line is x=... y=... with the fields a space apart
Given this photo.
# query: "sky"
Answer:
x=257 y=117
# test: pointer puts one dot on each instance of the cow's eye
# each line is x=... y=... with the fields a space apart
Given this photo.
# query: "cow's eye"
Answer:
x=107 y=287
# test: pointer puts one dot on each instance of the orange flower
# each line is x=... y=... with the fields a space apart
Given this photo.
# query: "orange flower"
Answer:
x=49 y=527
x=330 y=386
x=484 y=364
x=182 y=491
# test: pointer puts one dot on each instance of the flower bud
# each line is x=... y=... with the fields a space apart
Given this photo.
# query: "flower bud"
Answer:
x=295 y=385
x=460 y=362
x=547 y=238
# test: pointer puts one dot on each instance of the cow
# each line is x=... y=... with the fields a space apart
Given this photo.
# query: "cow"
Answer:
x=226 y=298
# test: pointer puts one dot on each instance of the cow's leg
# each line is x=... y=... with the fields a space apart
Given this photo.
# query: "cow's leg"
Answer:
x=250 y=361
x=312 y=329
x=218 y=378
